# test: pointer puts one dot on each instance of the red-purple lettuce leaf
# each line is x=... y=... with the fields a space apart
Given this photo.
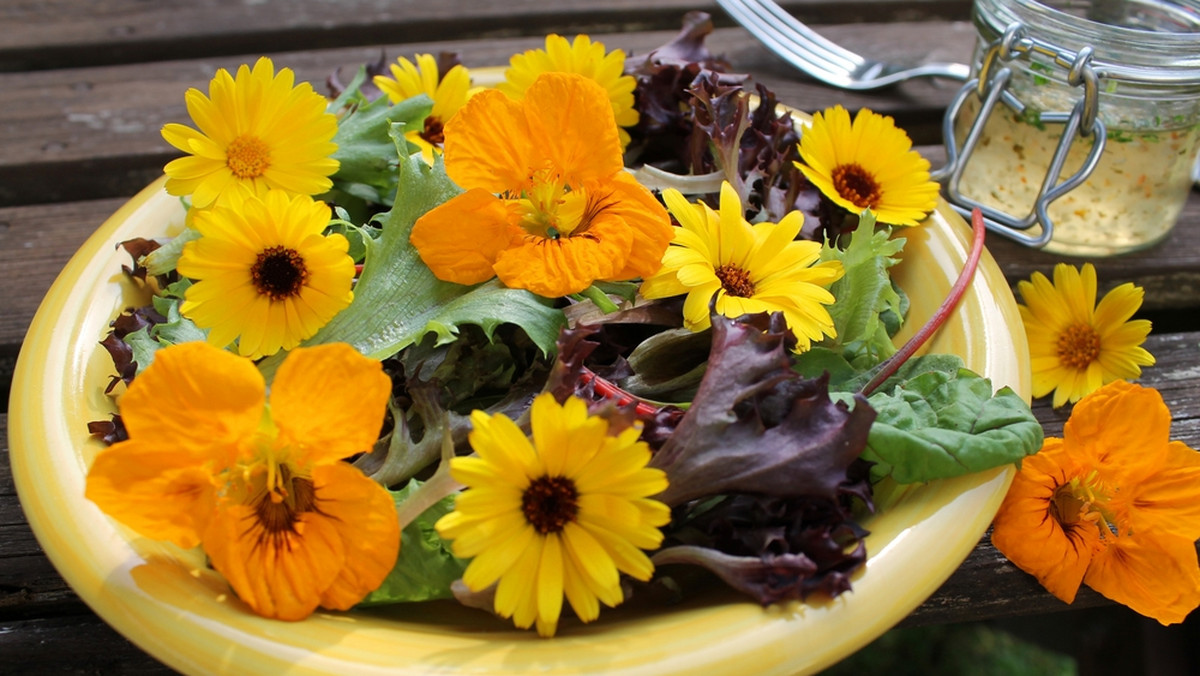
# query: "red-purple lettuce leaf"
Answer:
x=777 y=549
x=756 y=426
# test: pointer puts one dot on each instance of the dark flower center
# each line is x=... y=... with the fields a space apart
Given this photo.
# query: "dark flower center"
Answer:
x=434 y=133
x=277 y=511
x=247 y=157
x=550 y=503
x=1078 y=346
x=735 y=281
x=279 y=273
x=856 y=185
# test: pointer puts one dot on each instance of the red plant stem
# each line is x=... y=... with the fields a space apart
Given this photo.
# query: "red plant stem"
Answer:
x=611 y=392
x=893 y=363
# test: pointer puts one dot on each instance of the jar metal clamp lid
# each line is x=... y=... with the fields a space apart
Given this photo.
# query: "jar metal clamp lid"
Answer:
x=991 y=86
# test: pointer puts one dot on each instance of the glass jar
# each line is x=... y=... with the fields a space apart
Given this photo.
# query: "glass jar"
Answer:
x=1137 y=65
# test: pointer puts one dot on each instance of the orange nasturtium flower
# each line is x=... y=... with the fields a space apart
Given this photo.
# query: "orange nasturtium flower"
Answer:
x=548 y=205
x=1113 y=504
x=258 y=480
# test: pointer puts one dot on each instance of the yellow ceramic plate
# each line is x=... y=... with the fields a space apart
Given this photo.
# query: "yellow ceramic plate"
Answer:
x=166 y=601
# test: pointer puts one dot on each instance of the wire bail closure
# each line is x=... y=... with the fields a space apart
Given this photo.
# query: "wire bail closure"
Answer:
x=991 y=87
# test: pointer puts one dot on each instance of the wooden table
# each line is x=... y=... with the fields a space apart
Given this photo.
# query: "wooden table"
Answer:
x=85 y=86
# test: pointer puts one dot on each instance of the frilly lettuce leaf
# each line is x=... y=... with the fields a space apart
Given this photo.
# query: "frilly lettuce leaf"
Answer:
x=756 y=426
x=865 y=295
x=943 y=423
x=425 y=568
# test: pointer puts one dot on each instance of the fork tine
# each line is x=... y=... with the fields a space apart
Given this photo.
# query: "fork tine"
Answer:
x=793 y=46
x=806 y=37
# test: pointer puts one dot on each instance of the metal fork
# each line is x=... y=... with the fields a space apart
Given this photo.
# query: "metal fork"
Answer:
x=802 y=47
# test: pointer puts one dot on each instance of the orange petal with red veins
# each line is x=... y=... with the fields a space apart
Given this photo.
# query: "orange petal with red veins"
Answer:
x=159 y=494
x=1154 y=573
x=461 y=239
x=364 y=515
x=280 y=575
x=329 y=402
x=488 y=144
x=571 y=119
x=1026 y=531
x=196 y=400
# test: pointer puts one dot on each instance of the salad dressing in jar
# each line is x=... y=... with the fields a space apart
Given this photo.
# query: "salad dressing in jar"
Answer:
x=1062 y=78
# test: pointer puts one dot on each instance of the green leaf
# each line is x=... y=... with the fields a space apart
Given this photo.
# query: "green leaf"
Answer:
x=426 y=567
x=398 y=300
x=864 y=293
x=164 y=259
x=366 y=151
x=941 y=424
x=143 y=347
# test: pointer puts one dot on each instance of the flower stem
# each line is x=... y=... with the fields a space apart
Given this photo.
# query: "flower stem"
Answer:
x=893 y=363
x=601 y=299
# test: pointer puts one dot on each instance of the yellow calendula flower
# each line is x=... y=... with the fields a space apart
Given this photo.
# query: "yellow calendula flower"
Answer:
x=449 y=94
x=265 y=275
x=582 y=57
x=258 y=479
x=1075 y=345
x=750 y=268
x=867 y=164
x=1114 y=505
x=256 y=132
x=563 y=513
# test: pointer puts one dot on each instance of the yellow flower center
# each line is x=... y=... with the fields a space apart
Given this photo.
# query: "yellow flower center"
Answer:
x=553 y=209
x=279 y=273
x=1078 y=346
x=248 y=157
x=550 y=503
x=1082 y=500
x=735 y=281
x=856 y=185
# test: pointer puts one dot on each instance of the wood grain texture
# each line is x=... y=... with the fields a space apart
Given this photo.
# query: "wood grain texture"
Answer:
x=40 y=34
x=86 y=133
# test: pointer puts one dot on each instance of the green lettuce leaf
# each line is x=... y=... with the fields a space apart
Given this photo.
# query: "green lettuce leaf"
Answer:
x=941 y=424
x=426 y=567
x=867 y=304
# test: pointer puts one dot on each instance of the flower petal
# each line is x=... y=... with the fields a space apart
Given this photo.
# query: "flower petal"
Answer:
x=329 y=402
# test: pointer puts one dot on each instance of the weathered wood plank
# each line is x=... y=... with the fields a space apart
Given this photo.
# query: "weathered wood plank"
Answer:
x=39 y=34
x=76 y=644
x=35 y=243
x=86 y=133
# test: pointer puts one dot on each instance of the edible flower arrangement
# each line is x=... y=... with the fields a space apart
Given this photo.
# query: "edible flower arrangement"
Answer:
x=573 y=337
